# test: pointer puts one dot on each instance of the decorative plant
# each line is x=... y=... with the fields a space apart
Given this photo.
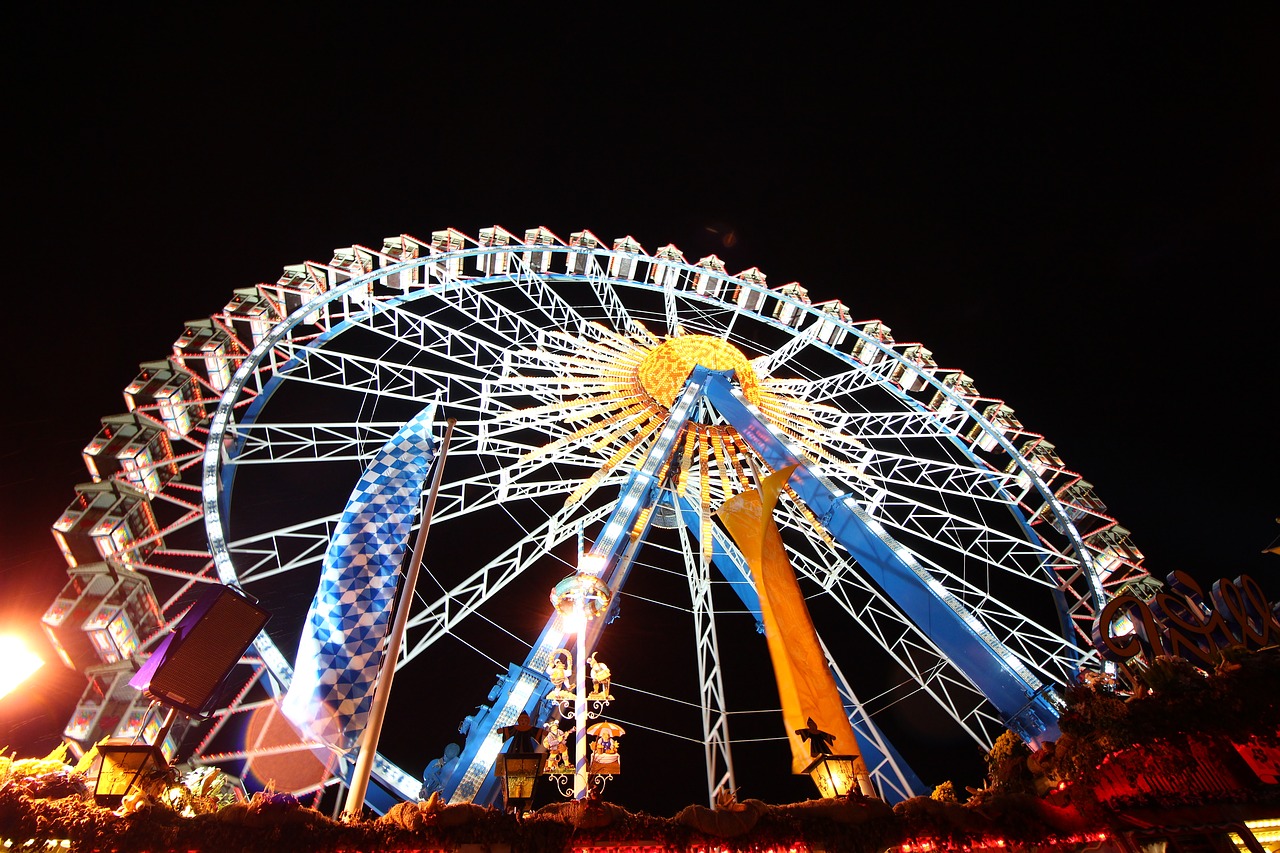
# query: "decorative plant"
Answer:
x=945 y=793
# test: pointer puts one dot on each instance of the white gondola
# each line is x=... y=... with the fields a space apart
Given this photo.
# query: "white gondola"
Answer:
x=666 y=274
x=448 y=243
x=786 y=310
x=622 y=264
x=710 y=281
x=579 y=262
x=539 y=260
x=497 y=262
x=868 y=353
x=750 y=294
x=207 y=350
x=166 y=392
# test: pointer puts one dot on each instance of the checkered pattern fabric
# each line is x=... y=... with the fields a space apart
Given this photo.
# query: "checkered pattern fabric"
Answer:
x=342 y=644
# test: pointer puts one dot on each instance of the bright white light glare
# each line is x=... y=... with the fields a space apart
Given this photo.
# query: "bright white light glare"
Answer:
x=591 y=564
x=1122 y=626
x=17 y=662
x=574 y=620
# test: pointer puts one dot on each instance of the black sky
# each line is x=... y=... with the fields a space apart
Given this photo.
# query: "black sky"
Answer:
x=1077 y=208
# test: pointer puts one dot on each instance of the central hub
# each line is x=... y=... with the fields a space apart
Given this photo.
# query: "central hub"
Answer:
x=665 y=369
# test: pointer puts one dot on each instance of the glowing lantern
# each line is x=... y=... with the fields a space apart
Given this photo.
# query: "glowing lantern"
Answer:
x=122 y=764
x=833 y=774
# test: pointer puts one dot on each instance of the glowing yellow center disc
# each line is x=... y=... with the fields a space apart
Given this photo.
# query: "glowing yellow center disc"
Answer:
x=664 y=370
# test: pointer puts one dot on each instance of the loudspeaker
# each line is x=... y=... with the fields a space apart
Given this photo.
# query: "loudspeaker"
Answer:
x=187 y=668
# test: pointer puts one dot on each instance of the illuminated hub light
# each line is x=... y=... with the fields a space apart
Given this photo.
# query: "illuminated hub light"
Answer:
x=579 y=599
x=637 y=380
x=663 y=372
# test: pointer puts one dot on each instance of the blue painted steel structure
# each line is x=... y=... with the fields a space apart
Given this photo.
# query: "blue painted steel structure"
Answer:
x=619 y=541
x=1026 y=704
x=897 y=780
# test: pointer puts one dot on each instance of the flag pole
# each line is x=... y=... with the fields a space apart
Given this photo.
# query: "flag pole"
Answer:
x=382 y=688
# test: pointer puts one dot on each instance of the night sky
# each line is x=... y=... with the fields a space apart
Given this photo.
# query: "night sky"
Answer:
x=1079 y=210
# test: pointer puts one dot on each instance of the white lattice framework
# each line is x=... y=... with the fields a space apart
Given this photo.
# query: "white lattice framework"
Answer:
x=509 y=340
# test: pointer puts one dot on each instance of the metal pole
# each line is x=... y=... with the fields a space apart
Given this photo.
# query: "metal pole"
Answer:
x=382 y=688
x=580 y=716
x=166 y=726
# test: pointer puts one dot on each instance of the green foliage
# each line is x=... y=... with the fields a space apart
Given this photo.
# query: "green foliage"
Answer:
x=1096 y=722
x=1173 y=677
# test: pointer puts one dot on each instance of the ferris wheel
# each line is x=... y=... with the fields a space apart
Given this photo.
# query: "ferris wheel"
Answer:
x=606 y=402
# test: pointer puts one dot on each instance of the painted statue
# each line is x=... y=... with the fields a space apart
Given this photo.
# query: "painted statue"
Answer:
x=600 y=680
x=556 y=743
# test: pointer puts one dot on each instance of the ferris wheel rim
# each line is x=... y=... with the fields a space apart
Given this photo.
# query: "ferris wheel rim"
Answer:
x=221 y=420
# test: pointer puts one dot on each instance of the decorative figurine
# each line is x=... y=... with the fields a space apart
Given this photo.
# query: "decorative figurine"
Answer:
x=600 y=679
x=604 y=749
x=819 y=741
x=559 y=672
x=523 y=734
x=439 y=769
x=557 y=745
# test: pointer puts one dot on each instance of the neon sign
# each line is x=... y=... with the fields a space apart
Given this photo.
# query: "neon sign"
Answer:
x=1180 y=623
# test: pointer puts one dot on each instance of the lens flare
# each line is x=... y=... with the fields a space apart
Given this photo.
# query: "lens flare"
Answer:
x=17 y=663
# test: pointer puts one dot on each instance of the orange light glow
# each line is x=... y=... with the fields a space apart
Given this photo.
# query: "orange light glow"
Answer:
x=17 y=663
x=664 y=370
x=277 y=760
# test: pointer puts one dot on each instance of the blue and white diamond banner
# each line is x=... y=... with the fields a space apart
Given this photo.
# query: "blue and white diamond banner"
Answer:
x=342 y=642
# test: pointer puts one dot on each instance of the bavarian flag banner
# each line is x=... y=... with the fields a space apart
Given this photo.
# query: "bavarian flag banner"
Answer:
x=805 y=684
x=342 y=641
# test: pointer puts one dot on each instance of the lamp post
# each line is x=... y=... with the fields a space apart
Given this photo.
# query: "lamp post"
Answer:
x=579 y=599
x=518 y=772
x=17 y=662
x=519 y=766
x=833 y=774
x=122 y=763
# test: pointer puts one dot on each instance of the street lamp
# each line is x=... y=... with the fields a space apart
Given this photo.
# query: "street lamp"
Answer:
x=518 y=772
x=833 y=774
x=122 y=763
x=519 y=766
x=16 y=663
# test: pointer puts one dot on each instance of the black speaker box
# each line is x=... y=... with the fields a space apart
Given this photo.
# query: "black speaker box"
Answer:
x=188 y=667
